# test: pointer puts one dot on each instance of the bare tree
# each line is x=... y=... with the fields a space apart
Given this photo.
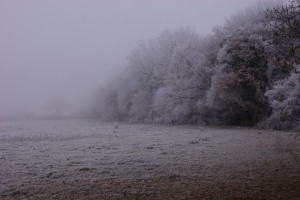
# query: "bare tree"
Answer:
x=285 y=24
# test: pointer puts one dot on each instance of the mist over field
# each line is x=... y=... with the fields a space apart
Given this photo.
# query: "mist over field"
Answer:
x=68 y=49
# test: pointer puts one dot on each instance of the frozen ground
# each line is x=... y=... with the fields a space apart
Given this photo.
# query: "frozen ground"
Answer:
x=91 y=160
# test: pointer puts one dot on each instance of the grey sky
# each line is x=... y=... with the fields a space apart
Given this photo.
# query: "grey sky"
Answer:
x=69 y=47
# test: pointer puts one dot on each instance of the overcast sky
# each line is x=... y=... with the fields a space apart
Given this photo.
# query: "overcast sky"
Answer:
x=69 y=47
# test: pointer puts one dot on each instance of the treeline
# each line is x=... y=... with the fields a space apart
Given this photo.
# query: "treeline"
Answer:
x=245 y=73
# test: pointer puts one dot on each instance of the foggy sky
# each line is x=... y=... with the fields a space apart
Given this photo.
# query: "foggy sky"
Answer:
x=69 y=47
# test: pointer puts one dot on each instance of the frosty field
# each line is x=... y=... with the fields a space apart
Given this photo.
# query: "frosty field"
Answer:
x=87 y=159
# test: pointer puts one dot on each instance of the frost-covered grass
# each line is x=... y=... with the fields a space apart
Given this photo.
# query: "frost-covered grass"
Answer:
x=87 y=159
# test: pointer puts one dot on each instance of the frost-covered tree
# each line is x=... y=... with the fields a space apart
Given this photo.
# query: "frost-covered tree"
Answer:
x=239 y=79
x=284 y=98
x=284 y=92
x=173 y=63
x=185 y=82
x=239 y=84
x=284 y=22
